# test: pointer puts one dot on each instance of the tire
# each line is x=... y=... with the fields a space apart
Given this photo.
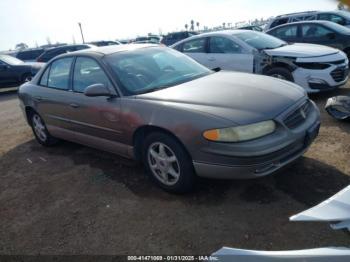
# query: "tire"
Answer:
x=40 y=131
x=174 y=171
x=281 y=73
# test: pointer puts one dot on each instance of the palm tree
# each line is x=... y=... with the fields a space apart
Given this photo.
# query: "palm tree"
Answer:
x=192 y=25
x=197 y=25
x=186 y=26
x=223 y=25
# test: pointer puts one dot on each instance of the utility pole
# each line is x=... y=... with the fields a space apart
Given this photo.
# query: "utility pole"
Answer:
x=81 y=31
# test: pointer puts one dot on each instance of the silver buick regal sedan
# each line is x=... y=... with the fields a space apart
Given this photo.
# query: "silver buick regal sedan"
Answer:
x=182 y=120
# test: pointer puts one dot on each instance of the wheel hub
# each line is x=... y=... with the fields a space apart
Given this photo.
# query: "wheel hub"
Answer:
x=163 y=163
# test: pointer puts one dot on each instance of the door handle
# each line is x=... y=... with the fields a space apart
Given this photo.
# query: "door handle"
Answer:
x=39 y=98
x=211 y=59
x=74 y=105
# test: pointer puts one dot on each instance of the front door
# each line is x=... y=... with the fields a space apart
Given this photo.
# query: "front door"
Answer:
x=224 y=53
x=96 y=120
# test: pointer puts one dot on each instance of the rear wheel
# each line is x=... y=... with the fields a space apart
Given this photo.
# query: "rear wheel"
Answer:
x=168 y=163
x=280 y=73
x=40 y=131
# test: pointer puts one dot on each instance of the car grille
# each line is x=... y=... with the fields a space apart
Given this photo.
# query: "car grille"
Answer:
x=339 y=74
x=298 y=117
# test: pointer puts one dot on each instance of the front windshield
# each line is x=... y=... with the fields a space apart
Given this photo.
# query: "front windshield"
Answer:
x=10 y=60
x=147 y=69
x=260 y=40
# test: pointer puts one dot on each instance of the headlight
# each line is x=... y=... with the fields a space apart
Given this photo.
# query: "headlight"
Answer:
x=241 y=133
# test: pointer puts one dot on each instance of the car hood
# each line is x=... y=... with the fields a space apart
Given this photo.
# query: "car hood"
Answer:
x=302 y=50
x=239 y=97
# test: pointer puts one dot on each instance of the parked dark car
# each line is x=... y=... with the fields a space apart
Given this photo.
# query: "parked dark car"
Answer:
x=315 y=32
x=172 y=38
x=340 y=17
x=30 y=55
x=159 y=106
x=14 y=71
x=53 y=52
x=105 y=43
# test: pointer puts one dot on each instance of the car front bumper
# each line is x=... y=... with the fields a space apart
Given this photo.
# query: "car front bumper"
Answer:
x=259 y=158
x=315 y=81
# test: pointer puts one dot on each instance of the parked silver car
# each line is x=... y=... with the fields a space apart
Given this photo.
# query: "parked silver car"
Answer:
x=181 y=119
x=315 y=67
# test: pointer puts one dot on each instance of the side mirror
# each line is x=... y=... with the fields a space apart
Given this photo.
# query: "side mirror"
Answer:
x=97 y=90
x=216 y=69
x=331 y=35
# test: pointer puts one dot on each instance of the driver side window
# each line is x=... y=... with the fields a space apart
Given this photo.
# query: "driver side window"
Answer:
x=88 y=72
x=222 y=45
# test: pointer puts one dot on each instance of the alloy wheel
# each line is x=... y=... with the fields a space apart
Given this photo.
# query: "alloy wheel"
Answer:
x=163 y=163
x=39 y=128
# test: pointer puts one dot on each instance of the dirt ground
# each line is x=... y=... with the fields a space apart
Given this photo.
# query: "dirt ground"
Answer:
x=71 y=199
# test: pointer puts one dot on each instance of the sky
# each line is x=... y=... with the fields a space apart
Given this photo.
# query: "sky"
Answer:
x=34 y=21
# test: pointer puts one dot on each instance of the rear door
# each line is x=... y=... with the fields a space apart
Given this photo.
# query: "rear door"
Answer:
x=226 y=54
x=52 y=96
x=197 y=49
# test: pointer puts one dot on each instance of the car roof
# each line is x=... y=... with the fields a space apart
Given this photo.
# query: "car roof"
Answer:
x=298 y=14
x=221 y=32
x=309 y=13
x=316 y=22
x=67 y=46
x=107 y=50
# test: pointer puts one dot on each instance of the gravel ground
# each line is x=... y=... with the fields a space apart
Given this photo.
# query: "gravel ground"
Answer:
x=71 y=199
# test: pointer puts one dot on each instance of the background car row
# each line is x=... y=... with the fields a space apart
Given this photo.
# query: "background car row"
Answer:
x=253 y=52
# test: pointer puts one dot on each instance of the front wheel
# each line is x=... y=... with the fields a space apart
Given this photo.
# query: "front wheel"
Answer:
x=40 y=131
x=168 y=163
x=280 y=73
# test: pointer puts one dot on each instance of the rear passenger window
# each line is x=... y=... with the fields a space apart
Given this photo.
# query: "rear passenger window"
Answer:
x=88 y=72
x=59 y=73
x=195 y=46
x=285 y=32
x=45 y=77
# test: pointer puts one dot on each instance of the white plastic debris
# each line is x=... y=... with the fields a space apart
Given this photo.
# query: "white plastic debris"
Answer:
x=334 y=254
x=335 y=210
